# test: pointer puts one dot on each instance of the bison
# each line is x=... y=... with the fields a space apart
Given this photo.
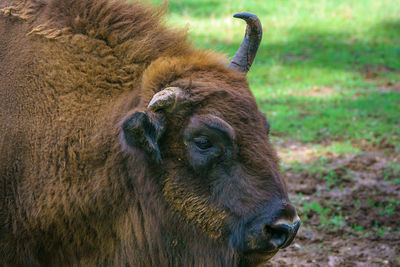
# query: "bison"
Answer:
x=123 y=145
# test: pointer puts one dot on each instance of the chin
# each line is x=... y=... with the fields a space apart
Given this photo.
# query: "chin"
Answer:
x=256 y=258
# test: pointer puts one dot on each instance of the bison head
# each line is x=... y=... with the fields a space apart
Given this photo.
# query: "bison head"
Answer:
x=207 y=148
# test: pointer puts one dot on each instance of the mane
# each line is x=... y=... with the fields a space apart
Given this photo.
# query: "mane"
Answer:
x=123 y=26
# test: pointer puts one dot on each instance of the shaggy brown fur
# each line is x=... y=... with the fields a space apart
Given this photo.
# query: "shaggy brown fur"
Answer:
x=70 y=71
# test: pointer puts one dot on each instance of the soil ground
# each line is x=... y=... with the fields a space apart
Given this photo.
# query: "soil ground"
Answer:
x=349 y=206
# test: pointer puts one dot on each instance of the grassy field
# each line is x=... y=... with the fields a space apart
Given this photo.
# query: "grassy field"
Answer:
x=327 y=75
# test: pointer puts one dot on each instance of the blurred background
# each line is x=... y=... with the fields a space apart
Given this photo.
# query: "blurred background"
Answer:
x=327 y=75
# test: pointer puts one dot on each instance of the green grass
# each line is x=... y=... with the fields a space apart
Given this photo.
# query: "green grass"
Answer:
x=309 y=76
x=329 y=214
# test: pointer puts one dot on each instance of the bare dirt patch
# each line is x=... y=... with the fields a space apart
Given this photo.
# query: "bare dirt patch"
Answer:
x=296 y=151
x=354 y=219
x=372 y=72
x=390 y=87
x=316 y=91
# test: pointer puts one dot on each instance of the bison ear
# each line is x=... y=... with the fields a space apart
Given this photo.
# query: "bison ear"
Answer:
x=143 y=129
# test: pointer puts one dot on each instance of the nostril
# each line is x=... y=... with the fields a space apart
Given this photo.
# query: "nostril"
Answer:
x=278 y=234
x=281 y=235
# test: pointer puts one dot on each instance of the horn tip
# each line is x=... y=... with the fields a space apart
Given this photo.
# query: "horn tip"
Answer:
x=244 y=15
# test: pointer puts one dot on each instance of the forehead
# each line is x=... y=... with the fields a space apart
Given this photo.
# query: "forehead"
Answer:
x=238 y=108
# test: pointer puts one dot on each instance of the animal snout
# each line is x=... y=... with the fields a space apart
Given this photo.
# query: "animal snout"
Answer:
x=263 y=236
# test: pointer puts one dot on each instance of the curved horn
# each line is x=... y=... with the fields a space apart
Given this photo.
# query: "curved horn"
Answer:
x=247 y=51
x=167 y=98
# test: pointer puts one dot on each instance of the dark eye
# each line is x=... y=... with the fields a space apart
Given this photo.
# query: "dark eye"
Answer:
x=202 y=143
